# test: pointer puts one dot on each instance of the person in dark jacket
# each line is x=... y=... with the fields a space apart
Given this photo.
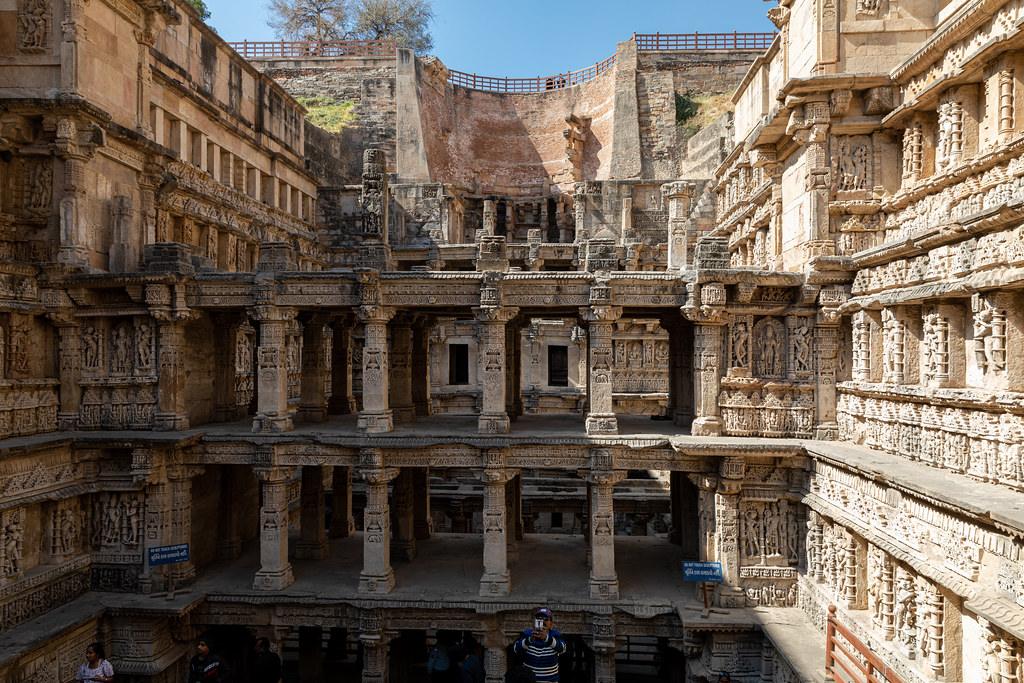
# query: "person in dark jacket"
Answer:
x=471 y=669
x=266 y=665
x=207 y=667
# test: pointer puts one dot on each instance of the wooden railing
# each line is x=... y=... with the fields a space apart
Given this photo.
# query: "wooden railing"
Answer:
x=861 y=665
x=538 y=84
x=314 y=48
x=652 y=42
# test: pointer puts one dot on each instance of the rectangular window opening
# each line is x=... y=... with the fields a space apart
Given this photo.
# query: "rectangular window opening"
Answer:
x=558 y=366
x=458 y=364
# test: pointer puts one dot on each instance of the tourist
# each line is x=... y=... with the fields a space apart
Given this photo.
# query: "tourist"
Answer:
x=439 y=665
x=471 y=669
x=723 y=677
x=206 y=667
x=96 y=668
x=266 y=666
x=540 y=647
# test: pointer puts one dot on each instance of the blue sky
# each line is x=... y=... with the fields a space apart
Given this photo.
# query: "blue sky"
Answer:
x=527 y=38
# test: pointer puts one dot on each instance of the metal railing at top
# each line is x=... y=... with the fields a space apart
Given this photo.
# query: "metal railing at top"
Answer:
x=538 y=84
x=861 y=665
x=653 y=42
x=646 y=42
x=314 y=48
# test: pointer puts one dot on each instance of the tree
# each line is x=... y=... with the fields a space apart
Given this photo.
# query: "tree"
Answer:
x=200 y=6
x=309 y=19
x=406 y=21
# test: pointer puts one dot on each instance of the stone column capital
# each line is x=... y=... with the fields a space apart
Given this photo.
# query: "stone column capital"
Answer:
x=369 y=314
x=604 y=477
x=378 y=476
x=495 y=314
x=273 y=474
x=269 y=313
x=601 y=313
x=496 y=477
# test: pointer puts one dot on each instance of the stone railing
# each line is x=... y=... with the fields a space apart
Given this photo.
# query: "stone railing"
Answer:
x=775 y=409
x=936 y=427
x=28 y=406
x=40 y=592
x=128 y=403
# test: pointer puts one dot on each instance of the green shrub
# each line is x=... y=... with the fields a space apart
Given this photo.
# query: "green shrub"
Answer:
x=329 y=114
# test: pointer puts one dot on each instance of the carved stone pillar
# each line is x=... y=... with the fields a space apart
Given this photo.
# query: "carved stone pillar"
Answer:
x=73 y=222
x=490 y=217
x=375 y=646
x=604 y=645
x=679 y=195
x=604 y=582
x=491 y=368
x=226 y=332
x=272 y=414
x=403 y=541
x=70 y=369
x=423 y=523
x=934 y=632
x=376 y=416
x=421 y=368
x=495 y=660
x=180 y=479
x=861 y=347
x=313 y=401
x=275 y=571
x=342 y=400
x=707 y=370
x=313 y=537
x=826 y=340
x=400 y=390
x=377 y=576
x=601 y=416
x=171 y=321
x=229 y=540
x=343 y=524
x=495 y=580
x=727 y=551
x=157 y=521
x=511 y=542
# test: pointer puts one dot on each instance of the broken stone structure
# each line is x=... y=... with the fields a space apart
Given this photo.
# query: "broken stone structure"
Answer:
x=400 y=380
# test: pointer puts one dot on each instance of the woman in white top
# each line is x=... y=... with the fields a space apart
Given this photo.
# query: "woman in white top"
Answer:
x=96 y=668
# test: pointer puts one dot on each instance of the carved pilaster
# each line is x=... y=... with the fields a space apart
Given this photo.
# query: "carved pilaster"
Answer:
x=375 y=646
x=601 y=320
x=707 y=362
x=727 y=550
x=400 y=390
x=272 y=413
x=171 y=322
x=69 y=367
x=604 y=581
x=343 y=524
x=275 y=571
x=377 y=576
x=342 y=401
x=491 y=367
x=403 y=539
x=681 y=234
x=313 y=537
x=495 y=580
x=180 y=480
x=313 y=401
x=226 y=328
x=376 y=415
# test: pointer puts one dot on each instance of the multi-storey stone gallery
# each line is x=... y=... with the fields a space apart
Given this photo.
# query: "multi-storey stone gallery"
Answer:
x=502 y=344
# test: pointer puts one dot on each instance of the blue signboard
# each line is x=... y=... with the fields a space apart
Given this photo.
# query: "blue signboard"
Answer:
x=168 y=554
x=711 y=572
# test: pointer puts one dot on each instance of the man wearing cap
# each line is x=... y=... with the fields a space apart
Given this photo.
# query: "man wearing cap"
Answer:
x=540 y=647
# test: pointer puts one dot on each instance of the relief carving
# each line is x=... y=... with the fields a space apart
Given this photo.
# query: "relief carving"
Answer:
x=34 y=19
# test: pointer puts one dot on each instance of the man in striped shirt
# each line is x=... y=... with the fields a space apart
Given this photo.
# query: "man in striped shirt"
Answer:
x=540 y=647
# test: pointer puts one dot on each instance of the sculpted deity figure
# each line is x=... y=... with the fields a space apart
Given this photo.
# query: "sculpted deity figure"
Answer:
x=131 y=536
x=903 y=613
x=34 y=22
x=68 y=531
x=144 y=344
x=771 y=352
x=12 y=548
x=119 y=347
x=751 y=533
x=112 y=522
x=989 y=336
x=802 y=346
x=741 y=344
